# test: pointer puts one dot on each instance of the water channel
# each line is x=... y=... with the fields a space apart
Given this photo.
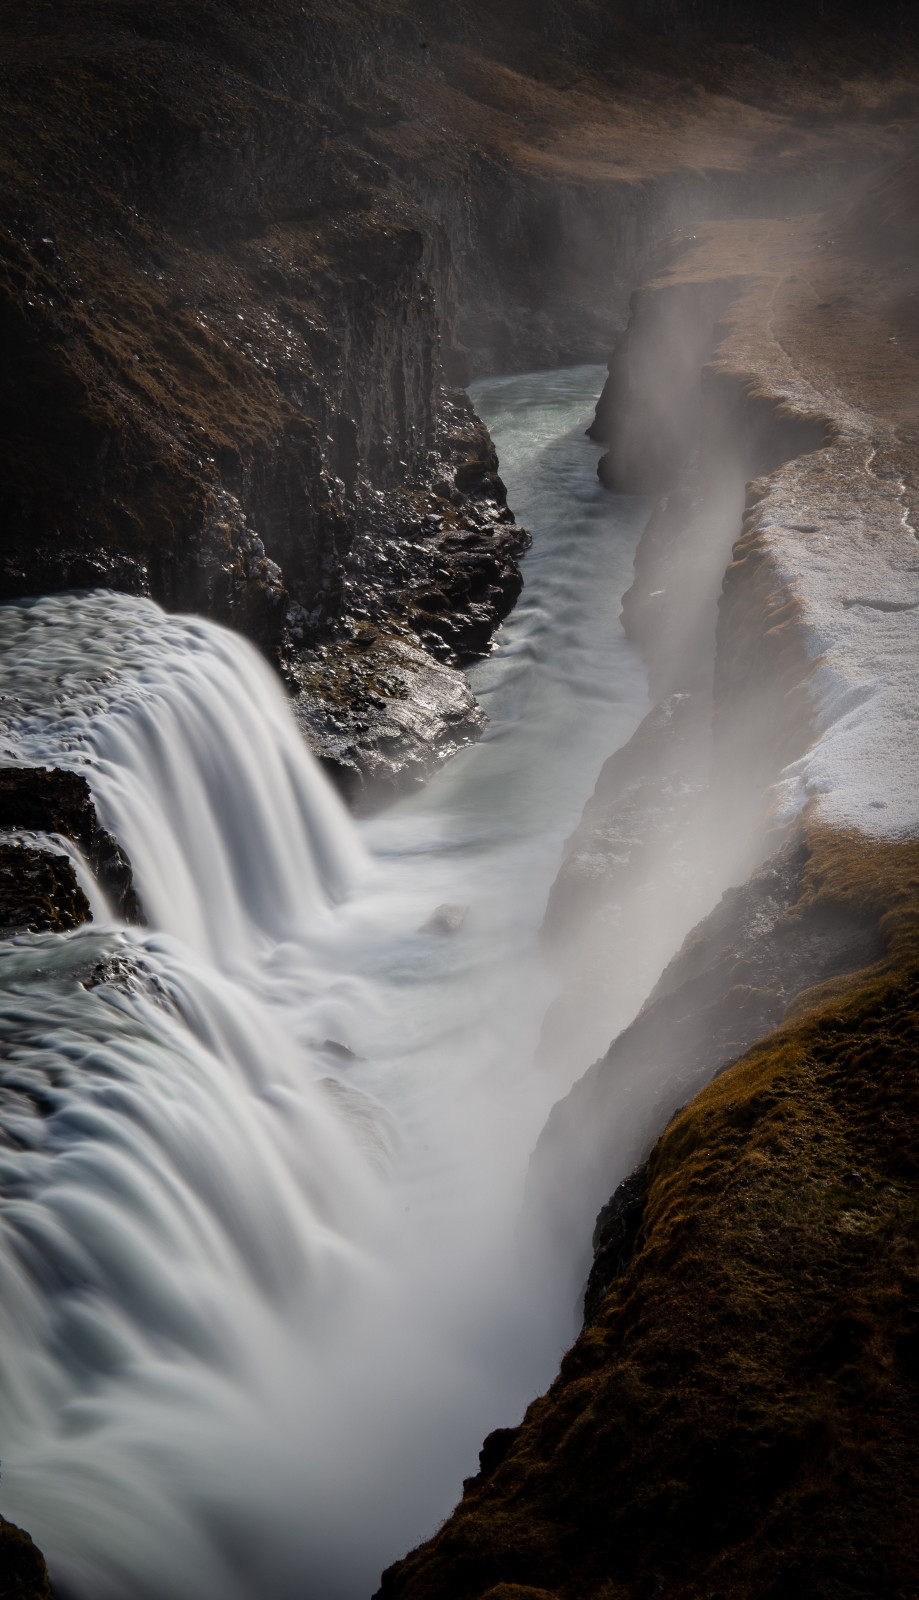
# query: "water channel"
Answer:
x=261 y=1292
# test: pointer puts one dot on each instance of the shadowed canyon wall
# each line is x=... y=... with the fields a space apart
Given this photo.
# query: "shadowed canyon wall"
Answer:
x=737 y=1417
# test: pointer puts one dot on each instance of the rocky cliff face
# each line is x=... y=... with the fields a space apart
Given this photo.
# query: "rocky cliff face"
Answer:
x=738 y=1415
x=223 y=382
x=248 y=253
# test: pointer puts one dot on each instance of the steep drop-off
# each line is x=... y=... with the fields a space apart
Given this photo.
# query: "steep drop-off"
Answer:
x=738 y=1416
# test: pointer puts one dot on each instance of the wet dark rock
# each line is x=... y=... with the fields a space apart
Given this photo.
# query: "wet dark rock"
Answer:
x=380 y=712
x=52 y=800
x=731 y=982
x=23 y=1573
x=614 y=1238
x=38 y=891
x=127 y=973
x=431 y=574
x=445 y=919
x=342 y=1053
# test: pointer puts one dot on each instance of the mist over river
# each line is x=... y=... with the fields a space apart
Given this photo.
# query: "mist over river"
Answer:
x=260 y=1286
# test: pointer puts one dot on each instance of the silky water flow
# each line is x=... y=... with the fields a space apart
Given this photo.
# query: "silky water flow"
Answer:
x=262 y=1161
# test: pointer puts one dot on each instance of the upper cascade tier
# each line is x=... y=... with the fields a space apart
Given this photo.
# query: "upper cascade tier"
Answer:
x=234 y=834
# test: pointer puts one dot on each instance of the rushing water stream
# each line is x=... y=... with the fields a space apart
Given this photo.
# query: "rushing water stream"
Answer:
x=260 y=1291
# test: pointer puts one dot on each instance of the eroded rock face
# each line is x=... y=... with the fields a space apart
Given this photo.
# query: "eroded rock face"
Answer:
x=25 y=1576
x=223 y=380
x=732 y=981
x=51 y=800
x=38 y=891
x=381 y=713
x=616 y=1235
x=738 y=1416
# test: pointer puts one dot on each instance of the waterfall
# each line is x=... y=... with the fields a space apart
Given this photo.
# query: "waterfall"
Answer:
x=179 y=1187
x=262 y=1161
x=195 y=764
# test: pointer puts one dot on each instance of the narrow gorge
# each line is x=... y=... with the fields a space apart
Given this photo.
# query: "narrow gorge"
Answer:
x=434 y=1008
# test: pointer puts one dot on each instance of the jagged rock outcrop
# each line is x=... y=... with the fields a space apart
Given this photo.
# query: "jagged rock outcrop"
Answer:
x=616 y=1236
x=25 y=1576
x=50 y=800
x=39 y=890
x=223 y=382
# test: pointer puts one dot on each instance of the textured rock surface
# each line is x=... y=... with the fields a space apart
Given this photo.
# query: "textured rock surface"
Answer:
x=380 y=713
x=38 y=890
x=24 y=1574
x=615 y=1237
x=50 y=800
x=767 y=941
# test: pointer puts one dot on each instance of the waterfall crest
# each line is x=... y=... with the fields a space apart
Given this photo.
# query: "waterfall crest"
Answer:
x=235 y=836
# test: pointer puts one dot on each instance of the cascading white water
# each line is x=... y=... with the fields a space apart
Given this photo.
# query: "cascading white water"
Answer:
x=262 y=1164
x=185 y=735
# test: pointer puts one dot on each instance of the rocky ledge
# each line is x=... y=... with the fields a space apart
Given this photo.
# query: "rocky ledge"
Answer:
x=39 y=887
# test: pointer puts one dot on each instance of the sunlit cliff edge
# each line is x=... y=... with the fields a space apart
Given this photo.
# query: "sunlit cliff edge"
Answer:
x=203 y=345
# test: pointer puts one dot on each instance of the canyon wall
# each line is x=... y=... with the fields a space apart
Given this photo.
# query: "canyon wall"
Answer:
x=738 y=1415
x=249 y=257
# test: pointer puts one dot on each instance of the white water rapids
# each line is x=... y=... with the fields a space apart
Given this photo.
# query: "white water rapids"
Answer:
x=262 y=1162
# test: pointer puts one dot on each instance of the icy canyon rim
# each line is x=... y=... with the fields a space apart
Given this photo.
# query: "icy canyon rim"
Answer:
x=222 y=390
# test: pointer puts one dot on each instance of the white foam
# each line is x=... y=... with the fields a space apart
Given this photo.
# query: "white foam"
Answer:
x=256 y=1323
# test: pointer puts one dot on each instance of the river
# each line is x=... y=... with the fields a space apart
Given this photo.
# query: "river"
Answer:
x=261 y=1286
